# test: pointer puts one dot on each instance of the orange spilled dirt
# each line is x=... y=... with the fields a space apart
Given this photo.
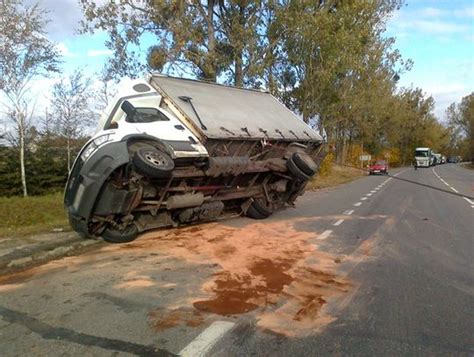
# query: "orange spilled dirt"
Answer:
x=161 y=320
x=270 y=268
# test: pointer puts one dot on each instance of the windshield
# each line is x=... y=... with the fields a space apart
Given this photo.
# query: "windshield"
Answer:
x=421 y=153
x=380 y=162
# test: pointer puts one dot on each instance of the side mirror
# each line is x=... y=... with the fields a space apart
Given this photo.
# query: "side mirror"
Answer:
x=128 y=108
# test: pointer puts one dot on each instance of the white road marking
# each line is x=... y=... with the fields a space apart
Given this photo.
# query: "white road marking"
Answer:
x=349 y=212
x=373 y=191
x=363 y=198
x=324 y=235
x=451 y=187
x=338 y=222
x=357 y=204
x=468 y=200
x=207 y=339
x=369 y=194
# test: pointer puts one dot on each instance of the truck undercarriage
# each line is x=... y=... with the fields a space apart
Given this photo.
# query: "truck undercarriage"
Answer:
x=250 y=177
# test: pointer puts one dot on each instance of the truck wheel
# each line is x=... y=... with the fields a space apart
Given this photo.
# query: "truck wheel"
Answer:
x=113 y=235
x=153 y=162
x=259 y=210
x=305 y=163
x=295 y=170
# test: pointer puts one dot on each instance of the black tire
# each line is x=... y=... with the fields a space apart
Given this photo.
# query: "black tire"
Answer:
x=253 y=213
x=153 y=162
x=305 y=163
x=295 y=170
x=113 y=235
x=259 y=210
x=261 y=207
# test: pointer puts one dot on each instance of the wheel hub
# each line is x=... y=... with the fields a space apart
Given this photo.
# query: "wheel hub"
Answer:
x=155 y=158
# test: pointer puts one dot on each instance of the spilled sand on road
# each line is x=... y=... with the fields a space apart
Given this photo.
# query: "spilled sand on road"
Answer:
x=270 y=268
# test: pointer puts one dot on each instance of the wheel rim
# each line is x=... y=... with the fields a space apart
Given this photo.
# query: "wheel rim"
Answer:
x=155 y=158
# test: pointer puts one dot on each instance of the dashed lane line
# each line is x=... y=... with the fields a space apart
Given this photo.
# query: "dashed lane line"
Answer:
x=348 y=212
x=363 y=198
x=369 y=194
x=357 y=204
x=451 y=187
x=468 y=200
x=207 y=339
x=338 y=222
x=324 y=235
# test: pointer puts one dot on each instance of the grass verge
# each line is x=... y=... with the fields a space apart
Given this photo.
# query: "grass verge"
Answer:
x=21 y=216
x=469 y=166
x=336 y=176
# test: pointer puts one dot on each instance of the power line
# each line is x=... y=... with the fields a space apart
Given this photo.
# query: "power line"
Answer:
x=412 y=182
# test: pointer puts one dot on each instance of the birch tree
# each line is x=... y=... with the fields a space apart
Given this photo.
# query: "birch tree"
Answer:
x=26 y=54
x=70 y=110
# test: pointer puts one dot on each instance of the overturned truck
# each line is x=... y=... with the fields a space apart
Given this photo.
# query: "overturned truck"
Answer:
x=171 y=151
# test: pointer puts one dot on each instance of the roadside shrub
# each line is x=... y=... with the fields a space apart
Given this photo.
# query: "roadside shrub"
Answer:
x=393 y=156
x=325 y=168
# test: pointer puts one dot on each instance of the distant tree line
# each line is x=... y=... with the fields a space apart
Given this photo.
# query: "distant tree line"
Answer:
x=328 y=60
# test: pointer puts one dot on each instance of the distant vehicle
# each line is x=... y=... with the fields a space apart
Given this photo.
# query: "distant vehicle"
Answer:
x=454 y=159
x=379 y=167
x=437 y=159
x=443 y=159
x=423 y=157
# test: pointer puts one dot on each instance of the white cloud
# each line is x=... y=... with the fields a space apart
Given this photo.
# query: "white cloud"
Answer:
x=431 y=12
x=64 y=17
x=96 y=53
x=467 y=12
x=430 y=20
x=439 y=27
x=64 y=50
x=444 y=94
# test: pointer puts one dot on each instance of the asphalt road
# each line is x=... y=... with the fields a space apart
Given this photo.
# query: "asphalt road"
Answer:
x=375 y=267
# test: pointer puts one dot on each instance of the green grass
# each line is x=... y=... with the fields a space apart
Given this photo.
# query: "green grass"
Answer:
x=337 y=176
x=21 y=216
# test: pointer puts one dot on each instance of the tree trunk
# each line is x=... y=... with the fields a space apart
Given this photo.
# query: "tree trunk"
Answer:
x=68 y=148
x=21 y=133
x=239 y=76
x=211 y=43
x=239 y=52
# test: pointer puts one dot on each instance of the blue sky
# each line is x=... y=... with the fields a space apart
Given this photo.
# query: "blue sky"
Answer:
x=437 y=35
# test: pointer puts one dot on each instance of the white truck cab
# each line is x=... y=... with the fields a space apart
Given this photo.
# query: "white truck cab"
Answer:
x=423 y=157
x=149 y=119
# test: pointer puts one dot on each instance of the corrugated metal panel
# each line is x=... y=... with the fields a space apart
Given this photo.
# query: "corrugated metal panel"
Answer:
x=230 y=112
